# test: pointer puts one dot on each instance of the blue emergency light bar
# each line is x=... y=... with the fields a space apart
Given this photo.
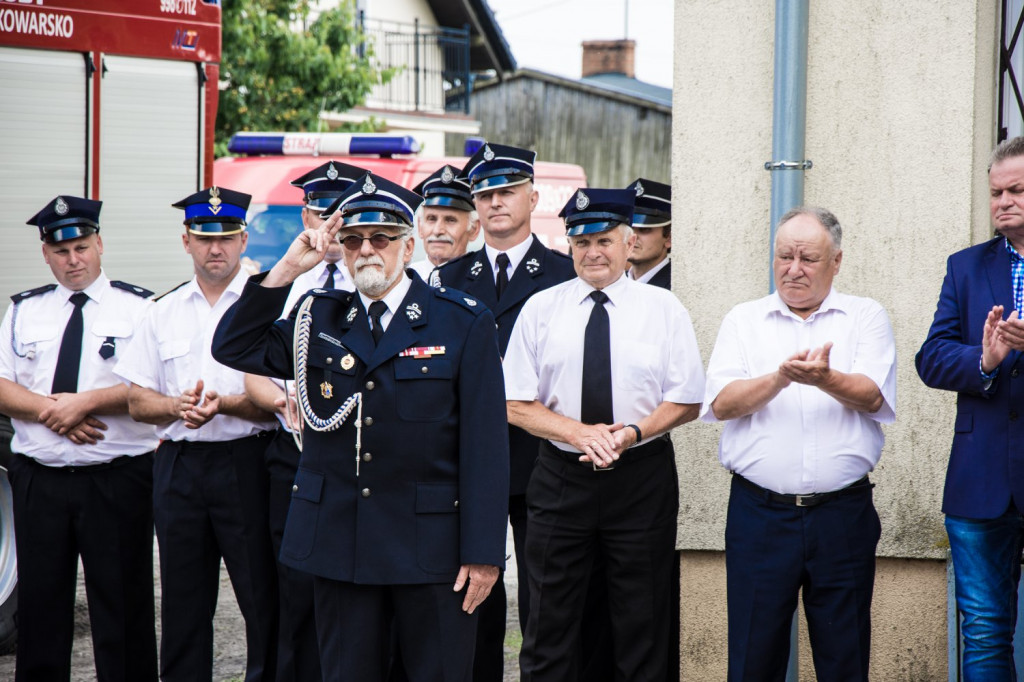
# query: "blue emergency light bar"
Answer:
x=322 y=144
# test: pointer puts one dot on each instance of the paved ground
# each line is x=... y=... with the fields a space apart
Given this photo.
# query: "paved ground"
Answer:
x=229 y=633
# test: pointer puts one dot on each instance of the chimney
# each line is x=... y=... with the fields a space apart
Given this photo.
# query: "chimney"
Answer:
x=608 y=56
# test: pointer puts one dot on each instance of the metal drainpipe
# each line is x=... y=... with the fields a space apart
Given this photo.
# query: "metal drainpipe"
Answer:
x=789 y=125
x=789 y=116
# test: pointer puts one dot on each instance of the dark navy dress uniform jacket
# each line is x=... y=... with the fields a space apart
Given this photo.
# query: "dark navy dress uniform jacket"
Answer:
x=986 y=464
x=541 y=268
x=430 y=494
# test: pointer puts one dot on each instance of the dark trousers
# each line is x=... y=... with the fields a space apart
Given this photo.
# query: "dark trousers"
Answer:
x=354 y=628
x=210 y=501
x=628 y=516
x=103 y=514
x=298 y=657
x=772 y=551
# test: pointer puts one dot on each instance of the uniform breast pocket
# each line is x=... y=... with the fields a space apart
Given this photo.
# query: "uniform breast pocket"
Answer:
x=437 y=527
x=423 y=388
x=330 y=376
x=110 y=337
x=174 y=356
x=34 y=338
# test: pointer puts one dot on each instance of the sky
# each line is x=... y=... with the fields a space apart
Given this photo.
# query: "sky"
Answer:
x=546 y=34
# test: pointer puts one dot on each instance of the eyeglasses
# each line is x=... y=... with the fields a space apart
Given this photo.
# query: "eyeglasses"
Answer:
x=378 y=241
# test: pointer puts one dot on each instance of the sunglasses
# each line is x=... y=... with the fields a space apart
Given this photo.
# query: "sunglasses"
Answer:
x=378 y=241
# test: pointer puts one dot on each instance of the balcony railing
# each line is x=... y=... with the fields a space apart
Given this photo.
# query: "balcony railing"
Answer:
x=433 y=66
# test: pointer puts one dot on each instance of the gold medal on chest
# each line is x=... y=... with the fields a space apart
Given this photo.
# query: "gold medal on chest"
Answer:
x=348 y=362
x=326 y=390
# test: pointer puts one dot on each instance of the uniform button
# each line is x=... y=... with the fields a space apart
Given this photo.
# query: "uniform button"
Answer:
x=1014 y=373
x=366 y=492
x=497 y=326
x=456 y=504
x=367 y=456
x=1013 y=416
x=368 y=421
x=424 y=369
x=330 y=361
x=295 y=488
x=370 y=385
x=442 y=290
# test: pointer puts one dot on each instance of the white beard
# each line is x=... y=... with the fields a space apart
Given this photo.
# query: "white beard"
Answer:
x=373 y=281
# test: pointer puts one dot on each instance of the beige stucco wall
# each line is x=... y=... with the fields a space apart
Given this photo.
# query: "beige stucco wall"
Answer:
x=900 y=122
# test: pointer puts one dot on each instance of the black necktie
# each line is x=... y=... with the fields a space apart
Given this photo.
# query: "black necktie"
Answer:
x=331 y=269
x=65 y=377
x=377 y=308
x=596 y=403
x=502 y=282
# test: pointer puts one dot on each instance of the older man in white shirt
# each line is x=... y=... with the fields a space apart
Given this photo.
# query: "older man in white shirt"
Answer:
x=803 y=378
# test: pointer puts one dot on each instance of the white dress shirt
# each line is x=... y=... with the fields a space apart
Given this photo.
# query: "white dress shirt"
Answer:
x=649 y=275
x=392 y=300
x=653 y=349
x=28 y=357
x=423 y=268
x=172 y=352
x=515 y=256
x=315 y=279
x=803 y=441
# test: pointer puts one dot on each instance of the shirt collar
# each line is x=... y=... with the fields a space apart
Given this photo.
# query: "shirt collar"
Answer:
x=612 y=291
x=649 y=275
x=235 y=286
x=833 y=301
x=394 y=297
x=1014 y=255
x=515 y=255
x=94 y=291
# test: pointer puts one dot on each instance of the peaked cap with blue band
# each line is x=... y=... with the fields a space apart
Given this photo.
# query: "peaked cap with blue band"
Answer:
x=66 y=217
x=498 y=165
x=373 y=200
x=446 y=189
x=215 y=210
x=653 y=203
x=595 y=210
x=325 y=183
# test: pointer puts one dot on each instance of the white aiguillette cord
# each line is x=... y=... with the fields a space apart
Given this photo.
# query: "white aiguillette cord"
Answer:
x=300 y=343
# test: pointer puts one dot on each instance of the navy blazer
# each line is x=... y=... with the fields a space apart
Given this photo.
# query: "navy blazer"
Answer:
x=986 y=465
x=540 y=268
x=434 y=459
x=662 y=278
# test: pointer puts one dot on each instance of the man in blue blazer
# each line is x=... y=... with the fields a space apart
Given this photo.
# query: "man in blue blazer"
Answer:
x=974 y=348
x=398 y=507
x=512 y=266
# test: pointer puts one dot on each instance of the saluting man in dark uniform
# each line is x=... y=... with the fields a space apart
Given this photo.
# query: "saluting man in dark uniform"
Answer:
x=652 y=224
x=394 y=507
x=82 y=472
x=512 y=266
x=298 y=659
x=209 y=479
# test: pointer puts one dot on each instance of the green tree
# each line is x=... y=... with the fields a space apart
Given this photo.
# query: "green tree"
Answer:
x=277 y=76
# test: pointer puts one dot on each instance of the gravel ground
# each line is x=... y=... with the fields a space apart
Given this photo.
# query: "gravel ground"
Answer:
x=229 y=632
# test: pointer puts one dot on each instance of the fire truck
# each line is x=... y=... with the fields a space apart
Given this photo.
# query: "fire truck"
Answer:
x=108 y=99
x=269 y=161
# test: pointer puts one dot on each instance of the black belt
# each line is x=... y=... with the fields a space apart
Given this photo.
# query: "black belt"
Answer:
x=811 y=500
x=82 y=468
x=657 y=446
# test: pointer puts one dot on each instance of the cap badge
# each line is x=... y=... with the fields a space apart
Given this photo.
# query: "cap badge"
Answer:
x=61 y=207
x=369 y=187
x=488 y=154
x=332 y=172
x=639 y=189
x=470 y=302
x=582 y=201
x=348 y=362
x=532 y=266
x=413 y=312
x=352 y=312
x=447 y=175
x=477 y=267
x=214 y=201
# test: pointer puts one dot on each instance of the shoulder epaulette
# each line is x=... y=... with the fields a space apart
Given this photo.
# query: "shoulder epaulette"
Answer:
x=172 y=290
x=131 y=288
x=460 y=297
x=341 y=295
x=18 y=298
x=560 y=254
